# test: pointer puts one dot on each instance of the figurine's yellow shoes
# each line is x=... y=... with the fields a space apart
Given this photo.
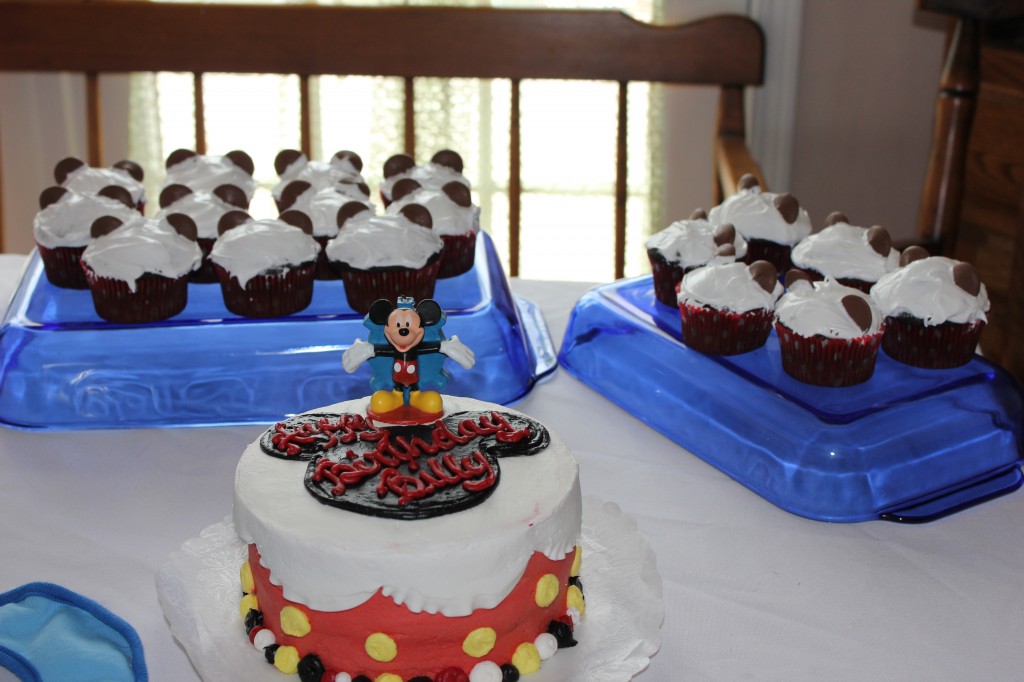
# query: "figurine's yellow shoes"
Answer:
x=426 y=401
x=385 y=401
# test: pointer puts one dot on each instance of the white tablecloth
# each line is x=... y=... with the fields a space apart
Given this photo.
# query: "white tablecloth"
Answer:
x=751 y=591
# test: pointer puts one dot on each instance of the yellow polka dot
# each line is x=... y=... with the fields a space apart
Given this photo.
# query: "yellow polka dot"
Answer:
x=574 y=599
x=526 y=659
x=248 y=585
x=547 y=590
x=294 y=622
x=248 y=602
x=479 y=642
x=576 y=561
x=381 y=648
x=388 y=677
x=286 y=659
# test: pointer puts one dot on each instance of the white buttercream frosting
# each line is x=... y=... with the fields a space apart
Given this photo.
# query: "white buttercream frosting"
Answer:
x=260 y=246
x=368 y=241
x=689 y=243
x=89 y=180
x=332 y=559
x=449 y=218
x=204 y=208
x=430 y=175
x=322 y=206
x=816 y=308
x=67 y=222
x=142 y=246
x=206 y=172
x=753 y=214
x=727 y=286
x=319 y=174
x=925 y=289
x=842 y=250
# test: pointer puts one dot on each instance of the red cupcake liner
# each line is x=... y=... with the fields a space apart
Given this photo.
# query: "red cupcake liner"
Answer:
x=822 y=361
x=363 y=287
x=62 y=266
x=324 y=269
x=773 y=252
x=719 y=332
x=859 y=284
x=205 y=273
x=942 y=346
x=274 y=294
x=155 y=297
x=458 y=254
x=666 y=277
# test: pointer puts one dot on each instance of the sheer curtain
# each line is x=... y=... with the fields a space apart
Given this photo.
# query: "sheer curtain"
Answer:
x=568 y=144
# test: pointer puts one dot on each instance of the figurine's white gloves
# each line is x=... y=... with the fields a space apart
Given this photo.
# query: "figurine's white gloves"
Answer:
x=458 y=351
x=359 y=352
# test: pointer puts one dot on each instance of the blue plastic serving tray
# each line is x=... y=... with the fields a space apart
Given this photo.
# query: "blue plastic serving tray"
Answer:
x=908 y=445
x=63 y=367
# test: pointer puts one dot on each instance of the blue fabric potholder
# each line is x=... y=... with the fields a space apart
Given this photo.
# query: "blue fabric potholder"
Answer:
x=49 y=634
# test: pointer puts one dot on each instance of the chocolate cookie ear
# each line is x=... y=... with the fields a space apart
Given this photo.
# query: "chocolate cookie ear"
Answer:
x=458 y=193
x=285 y=158
x=363 y=187
x=748 y=181
x=51 y=195
x=725 y=234
x=351 y=157
x=131 y=168
x=879 y=239
x=231 y=220
x=765 y=274
x=966 y=277
x=795 y=275
x=429 y=312
x=699 y=214
x=242 y=160
x=404 y=188
x=350 y=209
x=726 y=250
x=291 y=193
x=171 y=193
x=232 y=194
x=183 y=225
x=398 y=164
x=298 y=219
x=448 y=158
x=177 y=156
x=788 y=207
x=859 y=311
x=418 y=214
x=64 y=168
x=104 y=225
x=117 y=193
x=913 y=253
x=836 y=217
x=380 y=310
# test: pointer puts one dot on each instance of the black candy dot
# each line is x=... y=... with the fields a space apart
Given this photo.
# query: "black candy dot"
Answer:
x=311 y=669
x=509 y=673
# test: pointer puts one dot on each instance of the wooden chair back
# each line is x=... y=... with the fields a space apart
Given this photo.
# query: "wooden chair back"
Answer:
x=90 y=36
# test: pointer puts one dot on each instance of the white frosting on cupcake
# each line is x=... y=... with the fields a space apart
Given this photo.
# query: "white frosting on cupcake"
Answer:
x=89 y=180
x=322 y=206
x=207 y=172
x=728 y=287
x=754 y=215
x=383 y=241
x=812 y=309
x=449 y=218
x=430 y=175
x=67 y=222
x=142 y=246
x=319 y=174
x=260 y=246
x=925 y=289
x=204 y=208
x=689 y=243
x=842 y=250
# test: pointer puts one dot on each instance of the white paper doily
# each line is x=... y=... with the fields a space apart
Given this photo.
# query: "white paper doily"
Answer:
x=199 y=588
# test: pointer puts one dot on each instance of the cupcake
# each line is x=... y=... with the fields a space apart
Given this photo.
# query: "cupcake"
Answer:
x=138 y=270
x=62 y=228
x=853 y=256
x=292 y=165
x=934 y=310
x=444 y=167
x=73 y=174
x=206 y=172
x=205 y=209
x=265 y=267
x=828 y=333
x=455 y=219
x=322 y=207
x=728 y=308
x=771 y=223
x=386 y=256
x=687 y=244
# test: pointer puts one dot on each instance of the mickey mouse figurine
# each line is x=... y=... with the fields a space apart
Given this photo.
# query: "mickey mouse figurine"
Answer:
x=406 y=350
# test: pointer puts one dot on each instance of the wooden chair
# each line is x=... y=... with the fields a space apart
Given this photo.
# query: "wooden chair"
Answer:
x=89 y=36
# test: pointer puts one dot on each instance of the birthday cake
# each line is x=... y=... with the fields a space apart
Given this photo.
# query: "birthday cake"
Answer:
x=409 y=535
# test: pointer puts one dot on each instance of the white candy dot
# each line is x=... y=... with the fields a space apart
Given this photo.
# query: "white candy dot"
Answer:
x=485 y=671
x=546 y=645
x=342 y=677
x=263 y=639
